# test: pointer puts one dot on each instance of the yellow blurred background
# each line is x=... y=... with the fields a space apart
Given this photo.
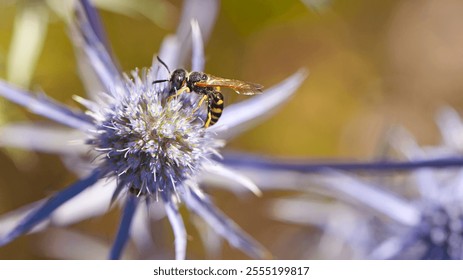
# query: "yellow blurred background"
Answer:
x=373 y=64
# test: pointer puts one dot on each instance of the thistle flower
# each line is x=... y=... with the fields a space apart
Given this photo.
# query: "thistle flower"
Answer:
x=147 y=147
x=417 y=215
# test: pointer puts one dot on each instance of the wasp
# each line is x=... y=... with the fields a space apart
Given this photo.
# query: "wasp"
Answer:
x=209 y=87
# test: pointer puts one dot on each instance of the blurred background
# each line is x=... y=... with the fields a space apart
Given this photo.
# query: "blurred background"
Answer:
x=373 y=65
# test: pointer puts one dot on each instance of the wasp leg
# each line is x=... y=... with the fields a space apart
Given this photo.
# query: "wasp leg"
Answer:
x=178 y=92
x=208 y=121
x=200 y=103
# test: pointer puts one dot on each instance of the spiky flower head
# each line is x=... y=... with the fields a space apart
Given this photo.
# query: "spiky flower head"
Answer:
x=151 y=146
x=439 y=234
x=149 y=140
x=416 y=215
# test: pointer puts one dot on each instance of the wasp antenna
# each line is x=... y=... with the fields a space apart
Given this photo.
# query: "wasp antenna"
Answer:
x=159 y=81
x=163 y=63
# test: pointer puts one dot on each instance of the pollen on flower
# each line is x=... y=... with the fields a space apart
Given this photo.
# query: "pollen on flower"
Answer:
x=149 y=141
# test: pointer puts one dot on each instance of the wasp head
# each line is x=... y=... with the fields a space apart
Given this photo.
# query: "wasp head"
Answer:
x=178 y=79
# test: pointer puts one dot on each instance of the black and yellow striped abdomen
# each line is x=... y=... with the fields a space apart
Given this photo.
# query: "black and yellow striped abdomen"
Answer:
x=215 y=107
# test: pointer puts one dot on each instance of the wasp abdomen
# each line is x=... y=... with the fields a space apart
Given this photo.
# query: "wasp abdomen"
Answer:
x=215 y=107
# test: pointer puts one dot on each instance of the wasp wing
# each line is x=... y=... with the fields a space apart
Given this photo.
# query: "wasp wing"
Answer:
x=239 y=86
